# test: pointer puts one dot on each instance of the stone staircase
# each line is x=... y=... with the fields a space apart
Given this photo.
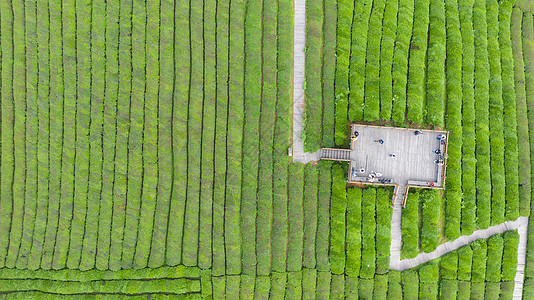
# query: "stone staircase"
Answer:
x=335 y=154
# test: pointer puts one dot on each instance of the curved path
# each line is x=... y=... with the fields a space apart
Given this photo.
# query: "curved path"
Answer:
x=299 y=44
x=521 y=224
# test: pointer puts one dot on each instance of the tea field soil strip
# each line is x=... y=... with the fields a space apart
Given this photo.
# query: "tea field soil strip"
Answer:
x=521 y=224
x=299 y=43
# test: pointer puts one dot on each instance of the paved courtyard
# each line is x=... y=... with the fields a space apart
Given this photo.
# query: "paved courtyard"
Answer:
x=403 y=156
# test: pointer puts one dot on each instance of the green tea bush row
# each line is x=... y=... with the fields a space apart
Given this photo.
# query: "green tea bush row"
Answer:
x=296 y=215
x=410 y=284
x=329 y=70
x=268 y=117
x=428 y=281
x=465 y=261
x=136 y=137
x=383 y=230
x=32 y=133
x=394 y=285
x=354 y=231
x=478 y=271
x=344 y=24
x=464 y=290
x=98 y=68
x=262 y=286
x=323 y=284
x=165 y=149
x=232 y=224
x=69 y=138
x=7 y=141
x=368 y=233
x=337 y=287
x=389 y=33
x=493 y=290
x=372 y=66
x=311 y=181
x=510 y=117
x=338 y=208
x=468 y=119
x=410 y=227
x=232 y=285
x=430 y=212
x=294 y=286
x=246 y=287
x=108 y=137
x=221 y=123
x=453 y=202
x=205 y=232
x=313 y=69
x=435 y=73
x=483 y=178
x=43 y=149
x=493 y=264
x=496 y=116
x=509 y=255
x=360 y=28
x=507 y=289
x=309 y=283
x=282 y=135
x=351 y=287
x=380 y=287
x=523 y=142
x=251 y=132
x=323 y=216
x=278 y=284
x=448 y=289
x=477 y=290
x=179 y=128
x=449 y=265
x=417 y=62
x=365 y=288
x=400 y=59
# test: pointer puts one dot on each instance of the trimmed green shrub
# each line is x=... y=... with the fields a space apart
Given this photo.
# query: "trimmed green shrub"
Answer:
x=323 y=284
x=365 y=288
x=509 y=255
x=522 y=114
x=493 y=264
x=477 y=290
x=354 y=231
x=478 y=271
x=311 y=174
x=389 y=32
x=337 y=220
x=278 y=285
x=410 y=227
x=329 y=69
x=362 y=12
x=296 y=217
x=449 y=266
x=368 y=233
x=493 y=290
x=410 y=285
x=323 y=216
x=262 y=287
x=246 y=288
x=294 y=285
x=383 y=230
x=380 y=287
x=464 y=290
x=232 y=286
x=465 y=261
x=337 y=290
x=399 y=68
x=430 y=211
x=448 y=289
x=507 y=290
x=309 y=283
x=351 y=287
x=417 y=69
x=313 y=68
x=372 y=66
x=394 y=285
x=468 y=119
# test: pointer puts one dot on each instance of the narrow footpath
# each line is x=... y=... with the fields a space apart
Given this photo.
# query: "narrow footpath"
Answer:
x=299 y=44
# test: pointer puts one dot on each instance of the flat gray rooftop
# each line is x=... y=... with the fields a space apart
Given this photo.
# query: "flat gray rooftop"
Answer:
x=414 y=157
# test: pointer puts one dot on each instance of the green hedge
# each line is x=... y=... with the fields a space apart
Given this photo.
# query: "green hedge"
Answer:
x=313 y=68
x=464 y=290
x=465 y=261
x=344 y=24
x=410 y=227
x=394 y=285
x=477 y=290
x=468 y=119
x=493 y=263
x=435 y=73
x=365 y=288
x=478 y=271
x=522 y=114
x=449 y=265
x=496 y=116
x=430 y=211
x=296 y=217
x=400 y=59
x=354 y=231
x=383 y=229
x=323 y=216
x=337 y=220
x=311 y=174
x=410 y=285
x=323 y=284
x=380 y=288
x=294 y=285
x=351 y=287
x=329 y=69
x=263 y=285
x=483 y=178
x=453 y=202
x=360 y=28
x=511 y=155
x=278 y=284
x=309 y=283
x=493 y=290
x=389 y=33
x=509 y=255
x=448 y=289
x=417 y=63
x=368 y=233
x=337 y=289
x=372 y=66
x=232 y=226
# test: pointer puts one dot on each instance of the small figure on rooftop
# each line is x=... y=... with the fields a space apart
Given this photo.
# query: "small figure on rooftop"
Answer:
x=392 y=155
x=437 y=151
x=380 y=141
x=417 y=132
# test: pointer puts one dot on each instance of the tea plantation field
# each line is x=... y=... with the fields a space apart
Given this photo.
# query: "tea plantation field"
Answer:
x=144 y=147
